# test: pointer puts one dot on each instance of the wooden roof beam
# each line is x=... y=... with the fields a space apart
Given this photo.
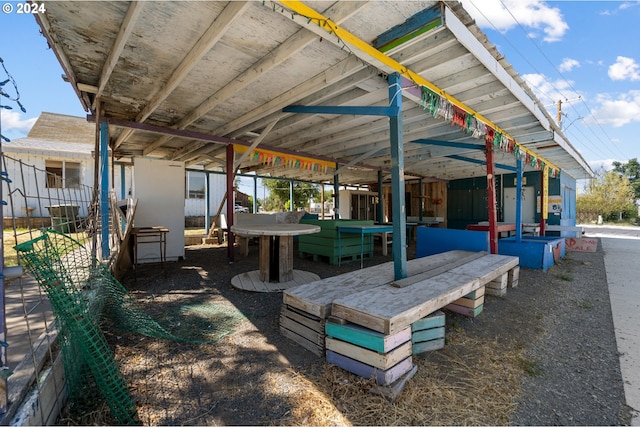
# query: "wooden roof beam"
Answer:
x=133 y=13
x=209 y=39
x=291 y=46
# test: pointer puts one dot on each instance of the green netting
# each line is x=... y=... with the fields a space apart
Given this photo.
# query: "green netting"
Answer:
x=83 y=293
x=63 y=270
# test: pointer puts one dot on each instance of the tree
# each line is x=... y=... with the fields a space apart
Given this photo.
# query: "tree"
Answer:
x=631 y=170
x=610 y=194
x=328 y=196
x=279 y=194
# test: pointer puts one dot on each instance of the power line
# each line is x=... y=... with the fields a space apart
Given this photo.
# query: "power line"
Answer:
x=551 y=84
x=561 y=76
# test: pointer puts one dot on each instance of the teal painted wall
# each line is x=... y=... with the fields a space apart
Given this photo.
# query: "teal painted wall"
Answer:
x=467 y=198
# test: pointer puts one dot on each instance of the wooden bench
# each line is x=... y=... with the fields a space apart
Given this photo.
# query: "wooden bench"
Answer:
x=306 y=308
x=326 y=243
x=390 y=308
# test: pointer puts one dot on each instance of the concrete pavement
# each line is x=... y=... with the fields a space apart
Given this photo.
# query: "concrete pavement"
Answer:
x=622 y=263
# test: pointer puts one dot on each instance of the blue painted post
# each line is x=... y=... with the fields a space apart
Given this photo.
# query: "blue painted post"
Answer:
x=399 y=245
x=380 y=199
x=104 y=188
x=123 y=190
x=207 y=198
x=420 y=194
x=519 y=176
x=336 y=193
x=255 y=194
x=291 y=195
x=4 y=397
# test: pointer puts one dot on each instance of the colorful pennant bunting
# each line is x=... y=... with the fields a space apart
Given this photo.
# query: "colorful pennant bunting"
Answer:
x=439 y=106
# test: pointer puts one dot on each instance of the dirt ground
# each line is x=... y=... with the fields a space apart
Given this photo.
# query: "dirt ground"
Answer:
x=543 y=355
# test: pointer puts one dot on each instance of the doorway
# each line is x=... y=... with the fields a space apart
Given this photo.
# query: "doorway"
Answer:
x=528 y=205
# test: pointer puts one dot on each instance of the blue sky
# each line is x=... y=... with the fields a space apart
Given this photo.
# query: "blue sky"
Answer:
x=583 y=53
x=579 y=52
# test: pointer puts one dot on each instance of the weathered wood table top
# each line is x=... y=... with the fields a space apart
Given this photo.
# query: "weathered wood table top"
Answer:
x=274 y=229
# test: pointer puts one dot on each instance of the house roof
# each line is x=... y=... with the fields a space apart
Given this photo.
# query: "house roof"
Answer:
x=56 y=135
x=60 y=127
x=214 y=73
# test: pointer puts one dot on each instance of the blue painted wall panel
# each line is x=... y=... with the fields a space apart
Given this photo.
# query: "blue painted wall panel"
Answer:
x=538 y=253
x=430 y=241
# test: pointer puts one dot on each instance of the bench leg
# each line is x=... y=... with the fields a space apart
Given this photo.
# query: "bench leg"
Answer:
x=498 y=287
x=514 y=275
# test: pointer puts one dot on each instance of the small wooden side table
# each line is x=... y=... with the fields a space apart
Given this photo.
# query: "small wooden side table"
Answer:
x=155 y=235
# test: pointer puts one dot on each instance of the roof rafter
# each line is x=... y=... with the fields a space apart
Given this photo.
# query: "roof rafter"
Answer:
x=133 y=13
x=213 y=34
x=285 y=50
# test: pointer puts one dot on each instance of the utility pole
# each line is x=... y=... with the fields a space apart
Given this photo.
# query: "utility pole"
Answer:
x=560 y=113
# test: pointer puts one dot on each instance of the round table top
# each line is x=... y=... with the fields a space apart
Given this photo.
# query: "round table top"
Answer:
x=274 y=229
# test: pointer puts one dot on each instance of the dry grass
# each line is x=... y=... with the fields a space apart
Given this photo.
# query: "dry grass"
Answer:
x=11 y=239
x=470 y=382
x=195 y=232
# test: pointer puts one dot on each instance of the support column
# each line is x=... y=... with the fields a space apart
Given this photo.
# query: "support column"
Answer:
x=519 y=177
x=207 y=197
x=380 y=200
x=104 y=188
x=230 y=203
x=544 y=197
x=491 y=198
x=420 y=197
x=322 y=201
x=123 y=190
x=399 y=245
x=255 y=194
x=291 y=195
x=4 y=396
x=336 y=194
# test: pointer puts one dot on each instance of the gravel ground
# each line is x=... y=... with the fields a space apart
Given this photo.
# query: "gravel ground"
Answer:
x=563 y=317
x=560 y=318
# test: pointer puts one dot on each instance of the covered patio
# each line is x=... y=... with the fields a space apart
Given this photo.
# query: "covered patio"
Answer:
x=342 y=93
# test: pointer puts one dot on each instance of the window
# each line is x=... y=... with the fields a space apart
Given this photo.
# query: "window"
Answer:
x=195 y=185
x=63 y=174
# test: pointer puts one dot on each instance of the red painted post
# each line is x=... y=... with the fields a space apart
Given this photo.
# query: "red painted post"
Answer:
x=491 y=198
x=230 y=203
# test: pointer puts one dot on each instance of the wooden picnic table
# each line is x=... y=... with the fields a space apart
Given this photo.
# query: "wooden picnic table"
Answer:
x=276 y=254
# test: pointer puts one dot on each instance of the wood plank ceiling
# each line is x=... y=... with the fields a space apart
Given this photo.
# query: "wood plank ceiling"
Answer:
x=214 y=72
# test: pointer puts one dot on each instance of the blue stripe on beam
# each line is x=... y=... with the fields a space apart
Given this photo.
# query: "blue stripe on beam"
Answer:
x=413 y=23
x=359 y=111
x=449 y=144
x=481 y=162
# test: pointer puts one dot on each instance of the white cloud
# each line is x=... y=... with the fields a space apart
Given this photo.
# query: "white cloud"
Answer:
x=11 y=121
x=550 y=92
x=622 y=7
x=606 y=164
x=624 y=69
x=504 y=15
x=568 y=64
x=618 y=111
